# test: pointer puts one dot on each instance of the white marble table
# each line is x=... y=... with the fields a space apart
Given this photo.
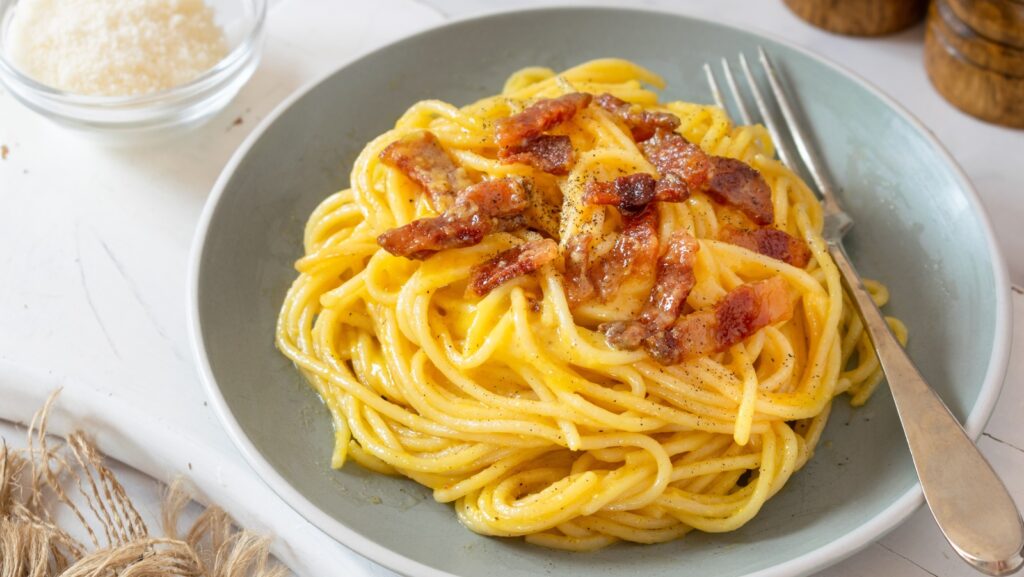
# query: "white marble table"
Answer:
x=95 y=242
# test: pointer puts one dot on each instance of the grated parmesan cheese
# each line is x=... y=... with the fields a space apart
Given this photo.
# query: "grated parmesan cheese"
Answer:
x=114 y=47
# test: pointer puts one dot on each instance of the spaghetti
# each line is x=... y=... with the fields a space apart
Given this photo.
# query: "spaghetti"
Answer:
x=501 y=392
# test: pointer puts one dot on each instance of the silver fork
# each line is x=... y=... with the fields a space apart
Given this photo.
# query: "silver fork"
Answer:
x=971 y=505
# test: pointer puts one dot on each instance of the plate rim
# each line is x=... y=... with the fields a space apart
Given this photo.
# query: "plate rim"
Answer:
x=846 y=545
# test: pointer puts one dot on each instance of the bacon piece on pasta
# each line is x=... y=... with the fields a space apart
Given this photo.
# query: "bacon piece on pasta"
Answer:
x=548 y=153
x=630 y=193
x=516 y=131
x=737 y=183
x=633 y=192
x=426 y=236
x=670 y=153
x=725 y=180
x=514 y=262
x=771 y=242
x=499 y=197
x=674 y=281
x=578 y=286
x=741 y=312
x=642 y=123
x=421 y=157
x=521 y=137
x=486 y=207
x=634 y=250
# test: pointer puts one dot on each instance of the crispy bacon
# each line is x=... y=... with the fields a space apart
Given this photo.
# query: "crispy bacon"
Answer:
x=642 y=123
x=772 y=242
x=489 y=206
x=625 y=335
x=725 y=180
x=674 y=281
x=516 y=131
x=670 y=153
x=632 y=193
x=737 y=183
x=507 y=265
x=741 y=312
x=426 y=236
x=421 y=158
x=547 y=153
x=521 y=137
x=499 y=197
x=579 y=287
x=635 y=249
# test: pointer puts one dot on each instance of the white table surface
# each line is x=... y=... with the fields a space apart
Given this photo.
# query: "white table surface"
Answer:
x=95 y=241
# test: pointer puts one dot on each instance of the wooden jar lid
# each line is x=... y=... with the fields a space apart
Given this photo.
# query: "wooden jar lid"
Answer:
x=978 y=76
x=860 y=17
x=977 y=49
x=998 y=20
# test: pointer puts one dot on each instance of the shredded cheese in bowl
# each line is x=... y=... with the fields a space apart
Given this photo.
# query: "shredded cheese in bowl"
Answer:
x=114 y=47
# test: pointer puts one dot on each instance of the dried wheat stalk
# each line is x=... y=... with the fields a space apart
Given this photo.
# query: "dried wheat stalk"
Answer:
x=36 y=483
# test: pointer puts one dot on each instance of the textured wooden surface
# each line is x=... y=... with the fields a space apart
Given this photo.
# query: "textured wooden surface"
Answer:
x=1000 y=20
x=973 y=46
x=860 y=17
x=977 y=75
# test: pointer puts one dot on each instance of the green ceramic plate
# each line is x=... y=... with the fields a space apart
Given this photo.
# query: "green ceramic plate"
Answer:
x=919 y=227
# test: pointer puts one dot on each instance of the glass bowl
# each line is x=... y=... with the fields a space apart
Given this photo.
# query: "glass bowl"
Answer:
x=182 y=106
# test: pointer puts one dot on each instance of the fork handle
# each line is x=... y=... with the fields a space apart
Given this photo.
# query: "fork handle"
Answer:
x=971 y=505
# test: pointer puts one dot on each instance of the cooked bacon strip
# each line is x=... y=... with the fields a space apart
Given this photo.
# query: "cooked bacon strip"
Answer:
x=489 y=206
x=507 y=265
x=673 y=284
x=579 y=287
x=642 y=123
x=633 y=192
x=625 y=335
x=741 y=312
x=499 y=197
x=636 y=248
x=547 y=153
x=725 y=180
x=670 y=153
x=629 y=193
x=514 y=132
x=426 y=236
x=521 y=137
x=772 y=242
x=737 y=183
x=421 y=157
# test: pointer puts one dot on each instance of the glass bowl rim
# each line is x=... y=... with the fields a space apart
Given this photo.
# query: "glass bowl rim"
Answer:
x=10 y=73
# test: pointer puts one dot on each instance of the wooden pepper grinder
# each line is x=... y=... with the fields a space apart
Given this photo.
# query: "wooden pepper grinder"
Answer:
x=974 y=55
x=860 y=17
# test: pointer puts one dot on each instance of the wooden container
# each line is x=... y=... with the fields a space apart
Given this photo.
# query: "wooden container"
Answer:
x=860 y=17
x=974 y=46
x=976 y=74
x=998 y=20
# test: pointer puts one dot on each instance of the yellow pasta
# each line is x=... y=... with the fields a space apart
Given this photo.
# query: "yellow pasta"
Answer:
x=512 y=406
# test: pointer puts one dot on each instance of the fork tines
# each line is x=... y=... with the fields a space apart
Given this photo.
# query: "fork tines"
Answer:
x=771 y=118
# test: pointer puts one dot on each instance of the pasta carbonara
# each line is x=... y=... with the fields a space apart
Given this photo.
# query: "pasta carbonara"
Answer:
x=577 y=313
